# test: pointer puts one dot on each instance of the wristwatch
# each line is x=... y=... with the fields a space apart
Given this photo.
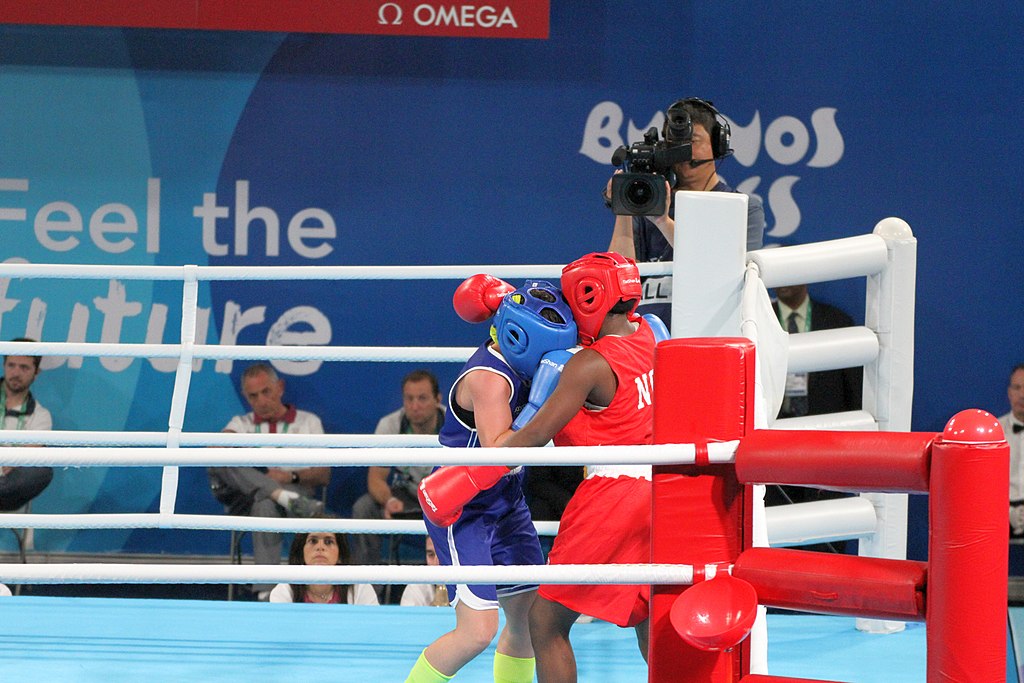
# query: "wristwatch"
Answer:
x=295 y=477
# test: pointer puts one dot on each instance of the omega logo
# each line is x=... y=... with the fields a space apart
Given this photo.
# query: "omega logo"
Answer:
x=385 y=9
x=464 y=16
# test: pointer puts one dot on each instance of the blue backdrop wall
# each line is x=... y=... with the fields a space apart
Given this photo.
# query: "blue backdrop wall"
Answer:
x=171 y=147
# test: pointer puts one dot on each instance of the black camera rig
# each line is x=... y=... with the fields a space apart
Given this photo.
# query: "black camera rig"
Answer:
x=647 y=165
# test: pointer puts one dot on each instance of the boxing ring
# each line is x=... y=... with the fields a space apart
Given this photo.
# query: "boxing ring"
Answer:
x=714 y=444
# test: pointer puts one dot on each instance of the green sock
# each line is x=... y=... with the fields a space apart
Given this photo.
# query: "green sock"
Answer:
x=513 y=669
x=423 y=672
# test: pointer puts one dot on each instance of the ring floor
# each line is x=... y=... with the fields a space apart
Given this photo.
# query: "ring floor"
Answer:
x=114 y=639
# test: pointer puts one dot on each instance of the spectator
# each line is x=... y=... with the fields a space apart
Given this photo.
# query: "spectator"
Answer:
x=275 y=491
x=19 y=485
x=816 y=393
x=651 y=238
x=426 y=594
x=392 y=490
x=325 y=549
x=1013 y=428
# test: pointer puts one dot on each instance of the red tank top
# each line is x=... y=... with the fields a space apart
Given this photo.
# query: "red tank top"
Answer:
x=629 y=418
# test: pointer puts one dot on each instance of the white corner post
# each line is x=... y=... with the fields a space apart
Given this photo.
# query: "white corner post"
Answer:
x=709 y=259
x=889 y=384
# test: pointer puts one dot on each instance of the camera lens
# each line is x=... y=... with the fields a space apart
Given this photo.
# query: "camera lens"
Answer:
x=639 y=192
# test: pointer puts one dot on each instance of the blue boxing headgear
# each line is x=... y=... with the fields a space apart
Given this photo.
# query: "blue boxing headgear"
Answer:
x=530 y=322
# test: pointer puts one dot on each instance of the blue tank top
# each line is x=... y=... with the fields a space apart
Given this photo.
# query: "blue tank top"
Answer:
x=459 y=429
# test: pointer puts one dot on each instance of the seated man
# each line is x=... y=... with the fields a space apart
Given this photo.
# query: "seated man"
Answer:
x=274 y=491
x=392 y=490
x=426 y=594
x=19 y=485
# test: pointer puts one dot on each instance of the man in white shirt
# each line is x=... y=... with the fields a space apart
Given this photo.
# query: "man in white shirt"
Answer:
x=274 y=491
x=1013 y=428
x=19 y=485
x=391 y=491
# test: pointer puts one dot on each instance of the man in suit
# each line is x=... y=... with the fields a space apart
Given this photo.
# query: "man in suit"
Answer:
x=813 y=393
x=816 y=393
x=1013 y=428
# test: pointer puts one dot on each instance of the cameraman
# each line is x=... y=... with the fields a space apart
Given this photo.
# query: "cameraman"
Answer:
x=650 y=238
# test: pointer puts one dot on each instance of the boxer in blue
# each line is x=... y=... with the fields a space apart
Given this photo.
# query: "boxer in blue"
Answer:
x=494 y=527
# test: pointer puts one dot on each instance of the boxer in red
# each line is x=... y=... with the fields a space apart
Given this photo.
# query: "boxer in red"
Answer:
x=603 y=397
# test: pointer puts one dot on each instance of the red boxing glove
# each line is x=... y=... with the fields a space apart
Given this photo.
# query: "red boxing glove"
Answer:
x=443 y=494
x=478 y=297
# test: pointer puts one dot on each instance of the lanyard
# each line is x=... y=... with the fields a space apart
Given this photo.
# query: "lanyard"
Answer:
x=3 y=404
x=259 y=428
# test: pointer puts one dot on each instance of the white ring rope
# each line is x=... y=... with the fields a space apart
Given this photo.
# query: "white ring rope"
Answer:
x=101 y=438
x=225 y=273
x=105 y=456
x=674 y=574
x=821 y=261
x=816 y=522
x=845 y=347
x=153 y=520
x=364 y=354
x=850 y=257
x=849 y=421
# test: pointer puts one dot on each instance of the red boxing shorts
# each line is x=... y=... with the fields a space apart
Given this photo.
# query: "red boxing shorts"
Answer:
x=607 y=521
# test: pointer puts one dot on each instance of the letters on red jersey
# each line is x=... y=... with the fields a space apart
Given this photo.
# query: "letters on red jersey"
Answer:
x=629 y=418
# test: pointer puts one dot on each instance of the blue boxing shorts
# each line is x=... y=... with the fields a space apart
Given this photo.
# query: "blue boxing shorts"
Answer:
x=495 y=529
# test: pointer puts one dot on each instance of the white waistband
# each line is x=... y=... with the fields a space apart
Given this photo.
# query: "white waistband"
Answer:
x=612 y=471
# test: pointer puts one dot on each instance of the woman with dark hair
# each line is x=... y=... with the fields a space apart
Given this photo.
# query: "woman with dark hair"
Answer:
x=324 y=548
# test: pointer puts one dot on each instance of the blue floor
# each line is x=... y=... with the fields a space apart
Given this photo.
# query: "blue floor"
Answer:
x=109 y=639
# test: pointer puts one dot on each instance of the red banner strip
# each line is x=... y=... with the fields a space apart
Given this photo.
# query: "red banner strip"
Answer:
x=501 y=19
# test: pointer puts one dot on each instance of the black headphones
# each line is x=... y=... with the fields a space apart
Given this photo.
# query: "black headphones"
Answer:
x=720 y=132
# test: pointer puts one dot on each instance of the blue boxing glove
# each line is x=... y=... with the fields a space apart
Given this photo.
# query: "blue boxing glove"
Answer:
x=545 y=379
x=660 y=331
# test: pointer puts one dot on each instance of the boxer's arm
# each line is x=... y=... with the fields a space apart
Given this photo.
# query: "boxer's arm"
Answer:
x=443 y=493
x=586 y=373
x=487 y=394
x=545 y=379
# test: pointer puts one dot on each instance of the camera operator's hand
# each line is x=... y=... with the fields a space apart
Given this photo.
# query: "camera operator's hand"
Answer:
x=665 y=224
x=622 y=233
x=668 y=205
x=607 y=194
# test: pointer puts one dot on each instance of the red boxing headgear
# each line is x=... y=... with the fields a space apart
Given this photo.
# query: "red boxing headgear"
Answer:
x=594 y=285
